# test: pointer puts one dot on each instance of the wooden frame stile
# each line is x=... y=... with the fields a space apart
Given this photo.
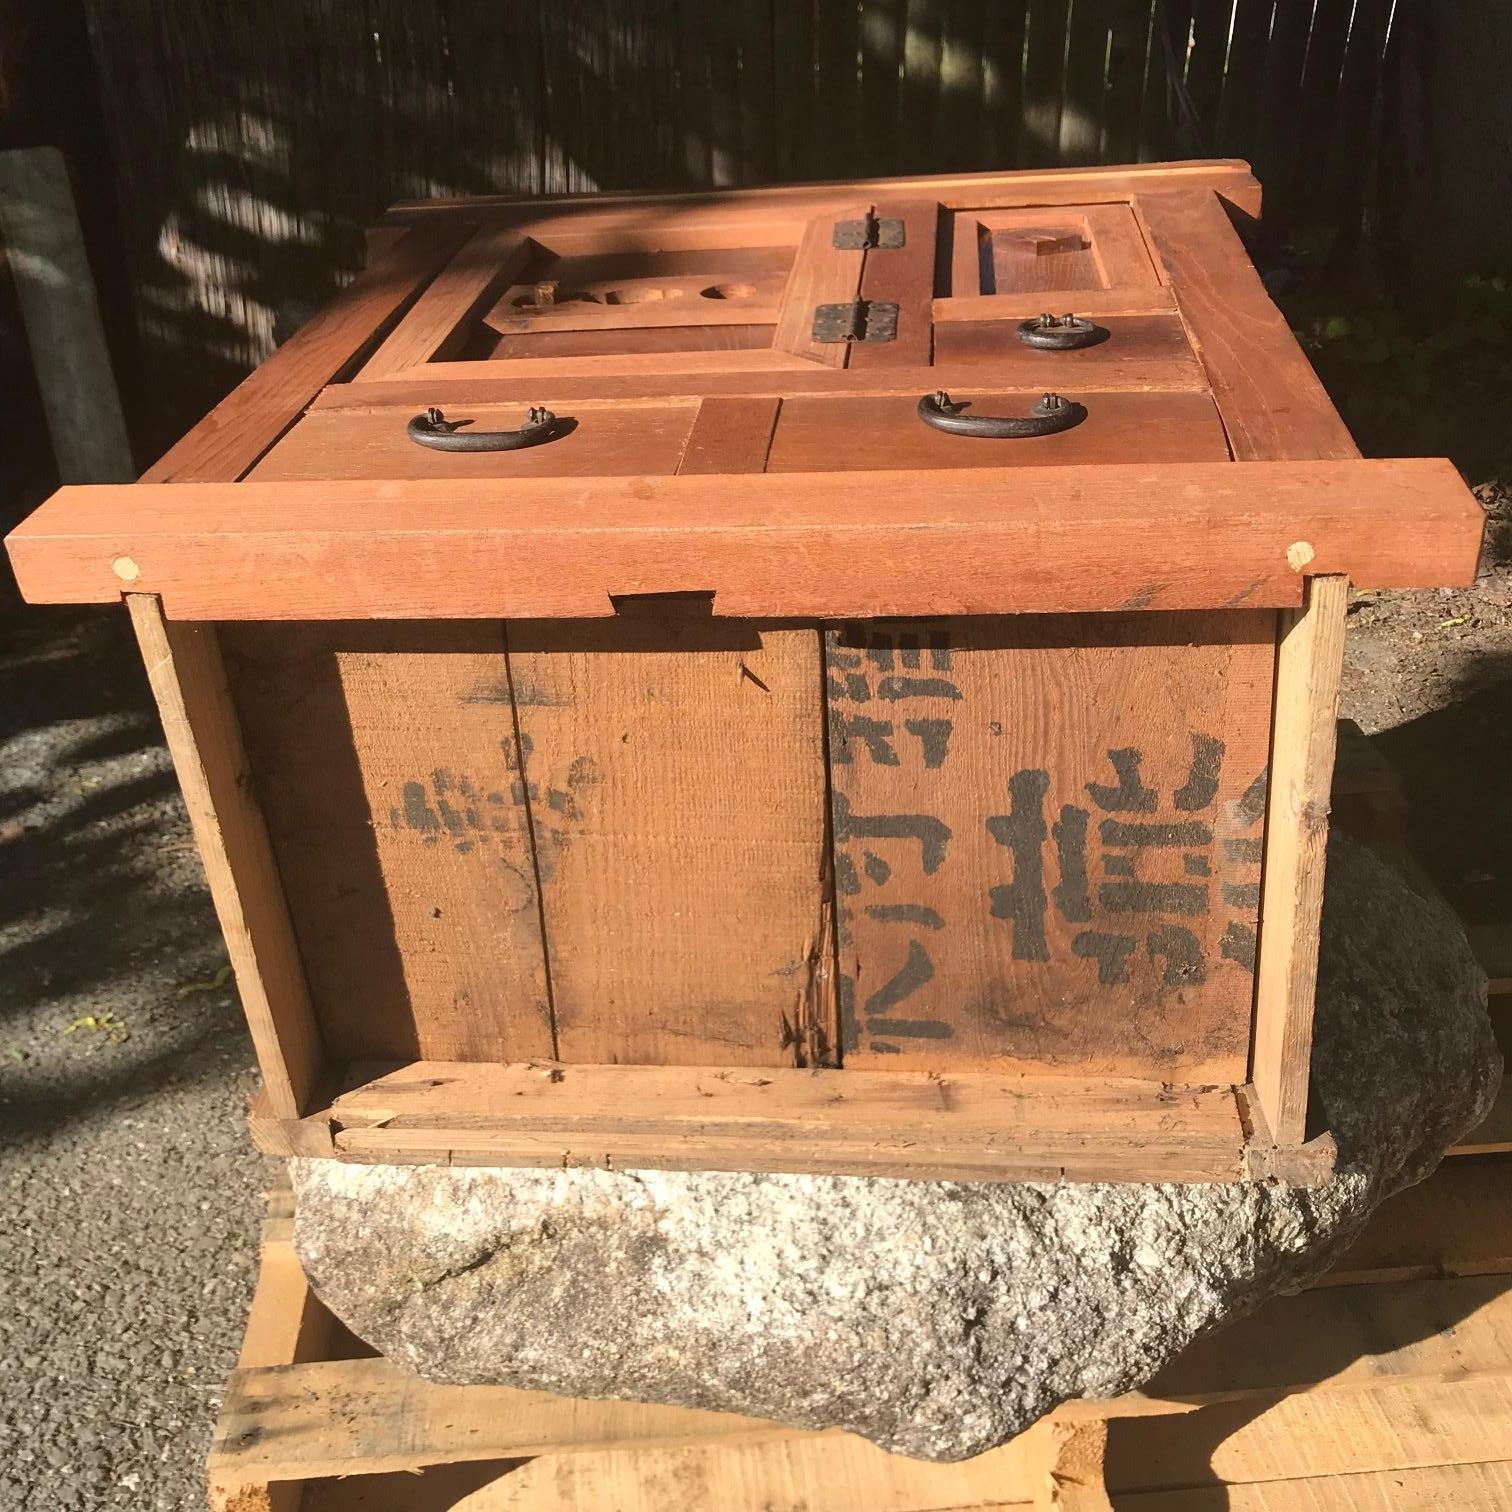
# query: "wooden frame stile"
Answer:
x=1274 y=407
x=188 y=676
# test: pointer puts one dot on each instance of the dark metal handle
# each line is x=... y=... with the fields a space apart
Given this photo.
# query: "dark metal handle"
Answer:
x=1061 y=333
x=1049 y=415
x=434 y=430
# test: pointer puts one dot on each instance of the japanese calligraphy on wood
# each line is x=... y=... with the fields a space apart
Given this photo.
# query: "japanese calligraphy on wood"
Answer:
x=1048 y=835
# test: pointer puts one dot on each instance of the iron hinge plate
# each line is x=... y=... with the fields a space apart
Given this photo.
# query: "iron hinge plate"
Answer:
x=856 y=320
x=868 y=234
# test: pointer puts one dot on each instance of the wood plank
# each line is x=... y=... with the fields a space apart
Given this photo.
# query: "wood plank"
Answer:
x=822 y=274
x=1149 y=299
x=334 y=1417
x=730 y=436
x=988 y=541
x=1141 y=352
x=813 y=431
x=1350 y=1338
x=253 y=416
x=597 y=441
x=1457 y=1223
x=904 y=276
x=1229 y=177
x=842 y=1474
x=1427 y=1489
x=1272 y=402
x=337 y=1417
x=492 y=259
x=1015 y=369
x=1397 y=1428
x=1119 y=247
x=961 y=1126
x=610 y=349
x=386 y=759
x=1309 y=663
x=188 y=680
x=685 y=925
x=1139 y=743
x=682 y=919
x=687 y=365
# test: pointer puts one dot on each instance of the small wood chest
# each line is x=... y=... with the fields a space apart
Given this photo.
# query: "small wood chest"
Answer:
x=749 y=681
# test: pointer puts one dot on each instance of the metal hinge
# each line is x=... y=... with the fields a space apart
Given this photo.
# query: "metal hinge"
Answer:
x=857 y=320
x=868 y=234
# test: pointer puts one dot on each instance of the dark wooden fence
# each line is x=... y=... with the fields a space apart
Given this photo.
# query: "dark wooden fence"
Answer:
x=252 y=142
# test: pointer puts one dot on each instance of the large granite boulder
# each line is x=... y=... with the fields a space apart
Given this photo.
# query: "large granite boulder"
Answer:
x=936 y=1318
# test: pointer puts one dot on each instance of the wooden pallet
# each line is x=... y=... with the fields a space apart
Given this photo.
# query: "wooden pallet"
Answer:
x=1394 y=1375
x=1387 y=1386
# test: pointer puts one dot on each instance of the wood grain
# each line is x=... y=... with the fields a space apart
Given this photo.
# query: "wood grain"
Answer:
x=1148 y=299
x=836 y=545
x=1048 y=841
x=1141 y=352
x=385 y=758
x=188 y=680
x=1272 y=402
x=600 y=440
x=822 y=274
x=967 y=1126
x=1308 y=663
x=904 y=276
x=730 y=436
x=492 y=258
x=875 y=432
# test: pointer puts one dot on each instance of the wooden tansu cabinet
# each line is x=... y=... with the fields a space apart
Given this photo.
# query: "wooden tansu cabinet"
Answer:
x=657 y=682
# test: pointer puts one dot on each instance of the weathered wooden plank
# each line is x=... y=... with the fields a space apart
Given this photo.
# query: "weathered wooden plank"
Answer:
x=188 y=680
x=987 y=541
x=963 y=1126
x=1048 y=840
x=682 y=910
x=1309 y=660
x=386 y=760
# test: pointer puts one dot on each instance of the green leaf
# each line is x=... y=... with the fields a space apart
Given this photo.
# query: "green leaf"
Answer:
x=1336 y=328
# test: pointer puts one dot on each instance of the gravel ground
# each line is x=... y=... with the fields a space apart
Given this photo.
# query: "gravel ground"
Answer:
x=129 y=1196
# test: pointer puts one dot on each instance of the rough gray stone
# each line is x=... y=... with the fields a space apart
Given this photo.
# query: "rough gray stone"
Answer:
x=937 y=1319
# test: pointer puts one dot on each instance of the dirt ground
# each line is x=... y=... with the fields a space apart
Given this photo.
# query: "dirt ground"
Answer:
x=128 y=1195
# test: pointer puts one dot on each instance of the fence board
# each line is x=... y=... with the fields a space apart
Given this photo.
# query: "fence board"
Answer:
x=251 y=149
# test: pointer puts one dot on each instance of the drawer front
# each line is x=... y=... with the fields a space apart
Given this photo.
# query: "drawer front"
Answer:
x=880 y=431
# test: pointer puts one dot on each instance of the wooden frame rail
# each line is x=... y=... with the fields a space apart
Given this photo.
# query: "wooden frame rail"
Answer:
x=833 y=545
x=973 y=1126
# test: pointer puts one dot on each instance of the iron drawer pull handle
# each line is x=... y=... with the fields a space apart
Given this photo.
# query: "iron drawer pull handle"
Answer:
x=1061 y=333
x=1049 y=415
x=434 y=430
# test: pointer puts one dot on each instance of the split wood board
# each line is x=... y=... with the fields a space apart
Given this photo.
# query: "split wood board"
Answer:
x=966 y=1126
x=1015 y=540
